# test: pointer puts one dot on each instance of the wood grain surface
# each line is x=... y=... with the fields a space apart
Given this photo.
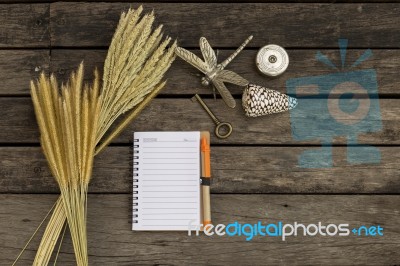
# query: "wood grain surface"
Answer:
x=184 y=80
x=19 y=67
x=215 y=1
x=111 y=240
x=18 y=121
x=234 y=170
x=289 y=25
x=24 y=25
x=256 y=172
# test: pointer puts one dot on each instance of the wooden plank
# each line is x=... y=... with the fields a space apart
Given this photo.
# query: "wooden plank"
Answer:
x=234 y=170
x=111 y=241
x=18 y=67
x=18 y=125
x=24 y=25
x=215 y=1
x=182 y=77
x=289 y=25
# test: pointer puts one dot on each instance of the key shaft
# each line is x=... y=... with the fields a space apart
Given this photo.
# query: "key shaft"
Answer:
x=205 y=107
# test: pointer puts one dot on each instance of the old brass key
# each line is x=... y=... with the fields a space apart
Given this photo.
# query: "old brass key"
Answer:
x=219 y=124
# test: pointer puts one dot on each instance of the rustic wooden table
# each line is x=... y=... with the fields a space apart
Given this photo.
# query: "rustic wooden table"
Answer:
x=256 y=172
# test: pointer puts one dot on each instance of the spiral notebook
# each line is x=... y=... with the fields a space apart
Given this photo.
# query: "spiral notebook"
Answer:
x=166 y=182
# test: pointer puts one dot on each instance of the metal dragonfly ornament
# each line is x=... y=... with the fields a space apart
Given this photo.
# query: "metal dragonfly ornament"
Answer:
x=215 y=73
x=256 y=100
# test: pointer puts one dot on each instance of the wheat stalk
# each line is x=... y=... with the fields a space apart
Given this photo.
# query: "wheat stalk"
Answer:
x=67 y=123
x=74 y=122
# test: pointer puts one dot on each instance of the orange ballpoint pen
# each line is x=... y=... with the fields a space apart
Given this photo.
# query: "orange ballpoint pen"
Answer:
x=206 y=178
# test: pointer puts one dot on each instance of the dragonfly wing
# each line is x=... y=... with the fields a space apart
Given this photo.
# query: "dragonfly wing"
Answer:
x=232 y=77
x=208 y=53
x=226 y=95
x=192 y=59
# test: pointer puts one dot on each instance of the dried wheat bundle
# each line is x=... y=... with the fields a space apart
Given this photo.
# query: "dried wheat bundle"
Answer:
x=136 y=63
x=68 y=124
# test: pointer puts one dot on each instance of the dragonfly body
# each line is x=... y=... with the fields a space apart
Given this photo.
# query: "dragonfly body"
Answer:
x=214 y=73
x=208 y=78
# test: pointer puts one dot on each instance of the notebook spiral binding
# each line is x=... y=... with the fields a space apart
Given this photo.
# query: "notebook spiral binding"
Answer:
x=135 y=185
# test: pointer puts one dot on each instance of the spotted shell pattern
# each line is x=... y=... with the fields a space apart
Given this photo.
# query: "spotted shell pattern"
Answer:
x=258 y=101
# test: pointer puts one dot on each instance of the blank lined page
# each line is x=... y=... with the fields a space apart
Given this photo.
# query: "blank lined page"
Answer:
x=167 y=174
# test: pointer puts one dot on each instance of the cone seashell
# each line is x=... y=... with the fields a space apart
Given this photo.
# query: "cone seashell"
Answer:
x=258 y=101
